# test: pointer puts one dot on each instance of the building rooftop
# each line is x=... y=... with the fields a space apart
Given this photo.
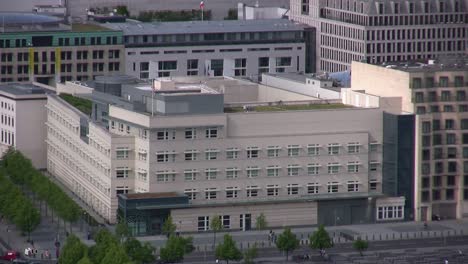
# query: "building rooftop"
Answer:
x=151 y=195
x=297 y=106
x=18 y=18
x=194 y=27
x=23 y=89
x=78 y=27
x=445 y=64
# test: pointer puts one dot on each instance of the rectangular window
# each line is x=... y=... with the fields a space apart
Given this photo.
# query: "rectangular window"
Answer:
x=203 y=223
x=211 y=154
x=313 y=169
x=165 y=176
x=190 y=175
x=232 y=173
x=273 y=171
x=121 y=172
x=192 y=67
x=333 y=167
x=122 y=153
x=212 y=132
x=293 y=189
x=211 y=174
x=190 y=133
x=390 y=212
x=210 y=193
x=333 y=149
x=191 y=193
x=232 y=192
x=272 y=190
x=190 y=155
x=373 y=185
x=293 y=169
x=353 y=167
x=252 y=191
x=252 y=171
x=312 y=188
x=252 y=152
x=240 y=67
x=353 y=147
x=373 y=165
x=293 y=150
x=165 y=156
x=165 y=134
x=332 y=187
x=313 y=149
x=353 y=186
x=273 y=151
x=232 y=153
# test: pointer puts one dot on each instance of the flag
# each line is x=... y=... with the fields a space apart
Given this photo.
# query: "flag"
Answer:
x=202 y=4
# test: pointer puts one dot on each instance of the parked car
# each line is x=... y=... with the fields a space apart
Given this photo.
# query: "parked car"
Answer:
x=10 y=255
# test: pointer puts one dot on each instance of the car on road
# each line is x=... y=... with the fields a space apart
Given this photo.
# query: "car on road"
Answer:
x=10 y=255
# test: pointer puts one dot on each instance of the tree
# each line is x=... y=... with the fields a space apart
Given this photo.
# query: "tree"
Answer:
x=137 y=252
x=169 y=227
x=250 y=254
x=115 y=255
x=232 y=14
x=104 y=240
x=227 y=250
x=215 y=225
x=287 y=242
x=320 y=239
x=122 y=230
x=174 y=250
x=360 y=245
x=261 y=222
x=122 y=10
x=73 y=251
x=85 y=260
x=28 y=218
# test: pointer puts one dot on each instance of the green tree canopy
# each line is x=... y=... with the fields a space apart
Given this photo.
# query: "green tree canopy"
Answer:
x=287 y=242
x=250 y=254
x=169 y=227
x=320 y=239
x=228 y=250
x=104 y=240
x=73 y=251
x=216 y=225
x=261 y=222
x=138 y=253
x=85 y=260
x=174 y=250
x=360 y=245
x=122 y=230
x=115 y=254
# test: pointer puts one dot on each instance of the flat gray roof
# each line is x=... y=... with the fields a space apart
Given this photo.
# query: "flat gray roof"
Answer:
x=197 y=27
x=22 y=89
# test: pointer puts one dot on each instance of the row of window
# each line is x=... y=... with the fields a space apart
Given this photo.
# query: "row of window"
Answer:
x=462 y=108
x=272 y=190
x=449 y=124
x=440 y=167
x=7 y=137
x=8 y=120
x=7 y=106
x=390 y=213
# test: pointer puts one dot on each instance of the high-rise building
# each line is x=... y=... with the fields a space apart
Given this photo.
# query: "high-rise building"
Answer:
x=35 y=47
x=194 y=149
x=437 y=94
x=383 y=31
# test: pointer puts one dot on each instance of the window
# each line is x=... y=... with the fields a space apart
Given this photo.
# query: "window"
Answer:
x=273 y=171
x=232 y=192
x=232 y=173
x=373 y=165
x=211 y=173
x=190 y=155
x=165 y=134
x=203 y=223
x=122 y=153
x=353 y=186
x=252 y=191
x=232 y=153
x=192 y=67
x=353 y=147
x=449 y=124
x=252 y=152
x=450 y=139
x=312 y=188
x=165 y=68
x=332 y=187
x=212 y=132
x=211 y=154
x=293 y=189
x=210 y=193
x=313 y=149
x=165 y=176
x=190 y=175
x=390 y=212
x=121 y=172
x=240 y=67
x=272 y=190
x=273 y=151
x=282 y=63
x=293 y=169
x=165 y=156
x=333 y=167
x=293 y=150
x=191 y=193
x=252 y=171
x=226 y=220
x=190 y=133
x=333 y=149
x=313 y=169
x=353 y=167
x=373 y=185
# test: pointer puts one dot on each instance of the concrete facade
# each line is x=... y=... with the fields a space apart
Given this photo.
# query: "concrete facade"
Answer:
x=22 y=108
x=436 y=93
x=383 y=31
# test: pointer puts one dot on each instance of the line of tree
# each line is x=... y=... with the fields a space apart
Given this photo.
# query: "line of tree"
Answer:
x=16 y=207
x=170 y=15
x=22 y=173
x=120 y=248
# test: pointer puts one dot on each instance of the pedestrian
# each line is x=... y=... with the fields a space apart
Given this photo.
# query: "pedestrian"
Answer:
x=270 y=235
x=217 y=260
x=89 y=235
x=446 y=261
